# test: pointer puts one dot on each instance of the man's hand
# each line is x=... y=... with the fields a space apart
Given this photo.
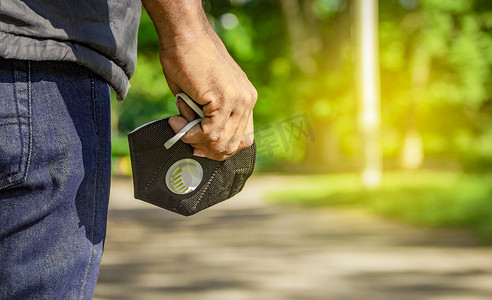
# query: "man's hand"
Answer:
x=196 y=62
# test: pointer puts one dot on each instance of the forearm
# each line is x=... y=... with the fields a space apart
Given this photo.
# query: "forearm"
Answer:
x=177 y=19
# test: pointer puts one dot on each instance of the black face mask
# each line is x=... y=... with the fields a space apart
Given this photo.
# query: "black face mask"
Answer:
x=167 y=174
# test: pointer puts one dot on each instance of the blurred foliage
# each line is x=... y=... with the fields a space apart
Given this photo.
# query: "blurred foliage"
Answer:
x=435 y=199
x=435 y=57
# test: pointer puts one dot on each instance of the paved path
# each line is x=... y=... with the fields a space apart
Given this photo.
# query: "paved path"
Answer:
x=246 y=249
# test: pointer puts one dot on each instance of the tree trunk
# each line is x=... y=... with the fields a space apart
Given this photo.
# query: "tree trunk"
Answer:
x=299 y=36
x=412 y=152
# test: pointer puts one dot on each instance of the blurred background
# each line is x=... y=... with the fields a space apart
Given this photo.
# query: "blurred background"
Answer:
x=435 y=61
x=403 y=133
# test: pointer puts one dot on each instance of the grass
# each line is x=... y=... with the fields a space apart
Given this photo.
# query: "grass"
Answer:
x=437 y=199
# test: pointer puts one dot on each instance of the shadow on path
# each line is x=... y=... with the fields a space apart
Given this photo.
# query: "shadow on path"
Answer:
x=246 y=249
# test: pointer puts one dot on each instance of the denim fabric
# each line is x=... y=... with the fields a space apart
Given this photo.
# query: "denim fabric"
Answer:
x=54 y=179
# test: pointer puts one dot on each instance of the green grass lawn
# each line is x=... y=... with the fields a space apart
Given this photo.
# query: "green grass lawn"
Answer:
x=423 y=198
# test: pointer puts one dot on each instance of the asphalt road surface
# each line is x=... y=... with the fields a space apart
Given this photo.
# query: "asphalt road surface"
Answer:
x=248 y=249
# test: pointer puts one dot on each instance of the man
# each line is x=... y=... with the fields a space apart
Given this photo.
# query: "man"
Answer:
x=57 y=61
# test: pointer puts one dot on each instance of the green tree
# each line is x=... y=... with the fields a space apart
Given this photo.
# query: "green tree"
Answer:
x=435 y=55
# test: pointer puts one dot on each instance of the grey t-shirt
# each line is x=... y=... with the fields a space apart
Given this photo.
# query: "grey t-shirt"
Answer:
x=98 y=34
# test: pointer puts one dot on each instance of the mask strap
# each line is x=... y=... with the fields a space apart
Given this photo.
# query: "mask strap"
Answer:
x=170 y=142
x=191 y=104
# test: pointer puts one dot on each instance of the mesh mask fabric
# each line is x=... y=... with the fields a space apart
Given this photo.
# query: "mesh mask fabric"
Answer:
x=150 y=161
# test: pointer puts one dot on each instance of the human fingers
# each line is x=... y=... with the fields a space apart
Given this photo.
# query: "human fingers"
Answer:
x=226 y=118
x=245 y=135
x=246 y=141
x=178 y=122
x=237 y=141
x=185 y=111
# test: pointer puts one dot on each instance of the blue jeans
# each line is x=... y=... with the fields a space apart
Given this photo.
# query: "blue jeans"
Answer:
x=54 y=179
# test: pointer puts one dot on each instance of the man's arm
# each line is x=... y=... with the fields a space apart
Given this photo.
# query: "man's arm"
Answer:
x=195 y=61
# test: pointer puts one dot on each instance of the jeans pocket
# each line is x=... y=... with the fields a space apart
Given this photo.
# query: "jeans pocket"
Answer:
x=15 y=122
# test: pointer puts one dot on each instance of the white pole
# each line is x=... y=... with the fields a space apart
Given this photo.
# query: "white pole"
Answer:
x=369 y=89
